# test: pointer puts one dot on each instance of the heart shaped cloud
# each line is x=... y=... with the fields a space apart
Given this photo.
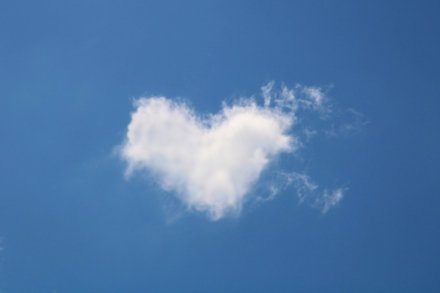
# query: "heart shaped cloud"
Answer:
x=211 y=163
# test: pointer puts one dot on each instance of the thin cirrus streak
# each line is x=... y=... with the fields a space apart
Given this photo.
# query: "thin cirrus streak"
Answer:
x=212 y=163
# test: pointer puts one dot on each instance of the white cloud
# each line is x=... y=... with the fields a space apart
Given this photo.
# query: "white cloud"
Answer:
x=344 y=122
x=306 y=189
x=329 y=199
x=315 y=97
x=211 y=162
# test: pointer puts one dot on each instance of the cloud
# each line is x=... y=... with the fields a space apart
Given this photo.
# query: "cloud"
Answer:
x=346 y=122
x=211 y=162
x=306 y=189
x=329 y=199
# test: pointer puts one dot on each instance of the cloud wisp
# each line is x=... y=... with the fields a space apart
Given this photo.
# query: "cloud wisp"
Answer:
x=212 y=162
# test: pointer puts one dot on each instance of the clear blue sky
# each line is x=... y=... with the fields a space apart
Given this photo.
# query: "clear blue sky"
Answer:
x=70 y=222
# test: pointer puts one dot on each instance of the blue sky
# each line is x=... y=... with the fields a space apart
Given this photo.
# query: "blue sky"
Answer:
x=70 y=221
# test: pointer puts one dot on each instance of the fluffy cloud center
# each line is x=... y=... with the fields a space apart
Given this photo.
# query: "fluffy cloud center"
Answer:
x=212 y=162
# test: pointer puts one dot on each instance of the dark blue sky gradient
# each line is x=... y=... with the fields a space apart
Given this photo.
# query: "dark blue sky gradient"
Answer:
x=70 y=222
